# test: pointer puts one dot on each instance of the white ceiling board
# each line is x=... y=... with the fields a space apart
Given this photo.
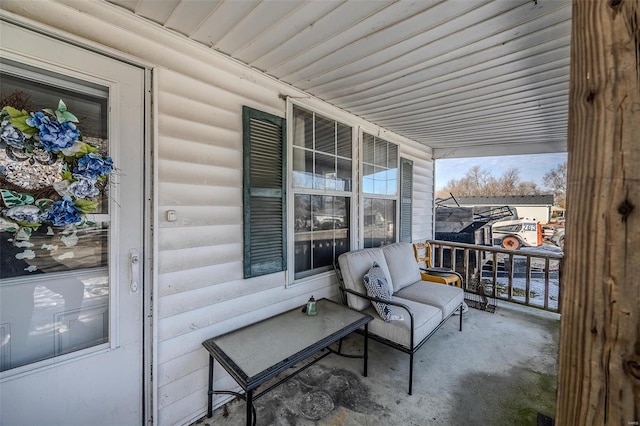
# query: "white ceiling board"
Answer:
x=366 y=37
x=302 y=17
x=187 y=16
x=222 y=20
x=466 y=62
x=322 y=31
x=255 y=23
x=446 y=73
x=157 y=11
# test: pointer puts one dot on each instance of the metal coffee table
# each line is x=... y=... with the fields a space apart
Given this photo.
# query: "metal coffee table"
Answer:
x=257 y=353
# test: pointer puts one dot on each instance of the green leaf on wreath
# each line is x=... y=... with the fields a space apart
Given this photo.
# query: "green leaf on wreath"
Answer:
x=85 y=149
x=19 y=120
x=63 y=115
x=23 y=234
x=15 y=113
x=29 y=225
x=69 y=117
x=66 y=175
x=12 y=198
x=86 y=206
x=43 y=203
x=8 y=225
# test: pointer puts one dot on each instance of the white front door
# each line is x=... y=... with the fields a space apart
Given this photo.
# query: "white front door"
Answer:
x=71 y=295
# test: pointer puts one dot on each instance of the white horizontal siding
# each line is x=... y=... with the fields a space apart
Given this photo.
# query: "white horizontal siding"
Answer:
x=201 y=291
x=423 y=190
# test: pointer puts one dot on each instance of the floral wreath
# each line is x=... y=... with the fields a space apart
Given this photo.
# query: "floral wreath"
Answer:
x=48 y=137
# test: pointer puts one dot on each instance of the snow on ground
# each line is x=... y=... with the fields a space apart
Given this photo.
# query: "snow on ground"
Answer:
x=537 y=281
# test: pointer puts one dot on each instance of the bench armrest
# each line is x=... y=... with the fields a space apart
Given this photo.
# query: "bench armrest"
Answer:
x=441 y=272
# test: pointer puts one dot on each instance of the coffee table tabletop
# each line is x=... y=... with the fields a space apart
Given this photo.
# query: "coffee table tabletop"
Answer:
x=258 y=352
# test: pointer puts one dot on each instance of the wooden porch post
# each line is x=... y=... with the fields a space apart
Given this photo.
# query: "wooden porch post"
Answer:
x=599 y=361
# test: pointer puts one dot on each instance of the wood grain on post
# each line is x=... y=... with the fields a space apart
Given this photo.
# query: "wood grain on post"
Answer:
x=599 y=358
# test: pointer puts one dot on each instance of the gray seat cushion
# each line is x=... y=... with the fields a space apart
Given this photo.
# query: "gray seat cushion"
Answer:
x=442 y=296
x=426 y=319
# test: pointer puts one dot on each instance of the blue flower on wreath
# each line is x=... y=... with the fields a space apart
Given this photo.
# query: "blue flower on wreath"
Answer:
x=93 y=166
x=54 y=136
x=83 y=187
x=28 y=213
x=11 y=135
x=63 y=212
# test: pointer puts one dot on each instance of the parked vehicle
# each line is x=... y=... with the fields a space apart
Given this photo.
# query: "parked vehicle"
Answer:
x=486 y=225
x=513 y=234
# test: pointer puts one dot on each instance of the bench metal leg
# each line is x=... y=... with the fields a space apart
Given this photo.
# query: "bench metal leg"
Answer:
x=461 y=317
x=410 y=373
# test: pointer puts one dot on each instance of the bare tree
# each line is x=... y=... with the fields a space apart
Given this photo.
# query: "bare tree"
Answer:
x=556 y=180
x=480 y=182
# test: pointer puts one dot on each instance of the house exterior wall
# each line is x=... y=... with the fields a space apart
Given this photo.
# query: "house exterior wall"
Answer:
x=199 y=290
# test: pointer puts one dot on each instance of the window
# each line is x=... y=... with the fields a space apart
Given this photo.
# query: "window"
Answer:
x=264 y=193
x=322 y=190
x=54 y=281
x=380 y=190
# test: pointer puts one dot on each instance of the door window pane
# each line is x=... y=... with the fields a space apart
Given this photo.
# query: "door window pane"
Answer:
x=54 y=280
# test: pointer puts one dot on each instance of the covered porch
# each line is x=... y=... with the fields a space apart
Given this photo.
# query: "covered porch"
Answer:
x=479 y=376
x=431 y=79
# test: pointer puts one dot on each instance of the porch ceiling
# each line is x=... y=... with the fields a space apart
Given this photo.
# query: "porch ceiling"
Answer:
x=466 y=77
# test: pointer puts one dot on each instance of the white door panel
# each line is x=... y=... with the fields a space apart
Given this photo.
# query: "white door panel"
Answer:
x=71 y=327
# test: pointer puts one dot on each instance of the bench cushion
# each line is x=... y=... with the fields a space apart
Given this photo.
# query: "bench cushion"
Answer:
x=445 y=297
x=354 y=265
x=402 y=265
x=426 y=318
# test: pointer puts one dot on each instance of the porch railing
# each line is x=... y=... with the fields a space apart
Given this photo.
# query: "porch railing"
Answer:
x=529 y=276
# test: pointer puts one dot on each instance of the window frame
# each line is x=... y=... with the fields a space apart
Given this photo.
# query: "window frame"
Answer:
x=362 y=195
x=353 y=194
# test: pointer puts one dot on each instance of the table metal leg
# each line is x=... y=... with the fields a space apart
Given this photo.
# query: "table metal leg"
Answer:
x=249 y=397
x=210 y=393
x=366 y=348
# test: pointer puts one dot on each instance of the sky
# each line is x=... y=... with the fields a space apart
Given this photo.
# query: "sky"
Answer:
x=531 y=167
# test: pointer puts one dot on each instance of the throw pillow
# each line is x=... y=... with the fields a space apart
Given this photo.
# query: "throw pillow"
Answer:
x=376 y=284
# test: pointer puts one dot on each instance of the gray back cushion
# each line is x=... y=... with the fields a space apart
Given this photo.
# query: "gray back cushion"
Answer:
x=354 y=265
x=403 y=268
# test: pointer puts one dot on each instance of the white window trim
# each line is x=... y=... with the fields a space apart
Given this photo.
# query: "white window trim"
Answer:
x=354 y=194
x=362 y=195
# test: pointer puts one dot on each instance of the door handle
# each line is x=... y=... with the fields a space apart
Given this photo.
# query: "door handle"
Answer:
x=134 y=277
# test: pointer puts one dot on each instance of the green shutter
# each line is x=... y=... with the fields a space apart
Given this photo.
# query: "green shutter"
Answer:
x=406 y=199
x=264 y=137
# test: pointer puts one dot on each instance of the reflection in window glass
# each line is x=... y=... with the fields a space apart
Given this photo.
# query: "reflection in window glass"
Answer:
x=321 y=162
x=321 y=152
x=380 y=182
x=321 y=232
x=54 y=283
x=379 y=222
x=380 y=166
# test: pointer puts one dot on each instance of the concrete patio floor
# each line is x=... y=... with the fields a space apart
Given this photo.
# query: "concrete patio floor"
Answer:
x=500 y=370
